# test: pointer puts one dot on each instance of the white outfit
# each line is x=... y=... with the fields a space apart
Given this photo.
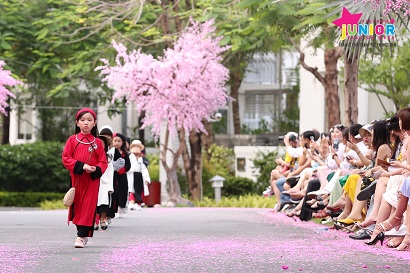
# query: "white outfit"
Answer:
x=294 y=152
x=138 y=166
x=345 y=165
x=107 y=181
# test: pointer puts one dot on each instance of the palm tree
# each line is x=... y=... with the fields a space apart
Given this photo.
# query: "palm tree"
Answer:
x=372 y=12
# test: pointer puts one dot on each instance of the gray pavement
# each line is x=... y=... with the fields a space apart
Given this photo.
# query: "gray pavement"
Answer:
x=186 y=240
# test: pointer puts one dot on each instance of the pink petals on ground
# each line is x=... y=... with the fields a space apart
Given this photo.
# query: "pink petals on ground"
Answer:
x=17 y=259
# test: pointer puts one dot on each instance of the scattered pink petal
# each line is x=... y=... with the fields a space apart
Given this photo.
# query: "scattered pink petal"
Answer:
x=364 y=266
x=387 y=266
x=284 y=267
x=300 y=269
x=75 y=259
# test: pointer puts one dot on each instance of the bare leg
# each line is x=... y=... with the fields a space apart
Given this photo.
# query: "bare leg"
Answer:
x=385 y=211
x=377 y=201
x=347 y=209
x=394 y=219
x=356 y=213
x=340 y=203
x=277 y=193
x=405 y=244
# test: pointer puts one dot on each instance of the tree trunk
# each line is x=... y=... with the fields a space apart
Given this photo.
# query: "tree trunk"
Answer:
x=331 y=56
x=236 y=80
x=193 y=160
x=207 y=140
x=174 y=189
x=141 y=132
x=6 y=126
x=193 y=165
x=350 y=77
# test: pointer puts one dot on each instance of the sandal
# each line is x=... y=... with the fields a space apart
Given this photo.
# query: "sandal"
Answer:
x=321 y=214
x=392 y=242
x=103 y=225
x=404 y=246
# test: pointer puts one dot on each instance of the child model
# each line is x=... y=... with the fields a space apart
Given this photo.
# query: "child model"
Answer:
x=107 y=131
x=120 y=179
x=85 y=158
x=106 y=184
x=140 y=172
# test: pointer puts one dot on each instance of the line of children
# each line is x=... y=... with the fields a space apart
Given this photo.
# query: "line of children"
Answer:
x=98 y=166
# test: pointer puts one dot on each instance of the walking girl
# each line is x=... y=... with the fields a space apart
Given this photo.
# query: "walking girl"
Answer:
x=120 y=176
x=106 y=185
x=84 y=157
x=140 y=173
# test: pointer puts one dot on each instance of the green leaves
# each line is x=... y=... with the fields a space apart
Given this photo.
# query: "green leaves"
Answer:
x=388 y=74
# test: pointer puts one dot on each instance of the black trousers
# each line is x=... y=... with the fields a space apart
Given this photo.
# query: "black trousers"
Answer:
x=122 y=190
x=138 y=187
x=306 y=212
x=84 y=231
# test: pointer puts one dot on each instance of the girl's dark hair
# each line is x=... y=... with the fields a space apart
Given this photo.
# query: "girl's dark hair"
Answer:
x=106 y=132
x=94 y=130
x=393 y=124
x=380 y=135
x=404 y=115
x=345 y=133
x=106 y=140
x=124 y=144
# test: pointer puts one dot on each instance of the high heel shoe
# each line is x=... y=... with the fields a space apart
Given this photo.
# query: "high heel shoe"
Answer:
x=379 y=237
x=404 y=246
x=349 y=221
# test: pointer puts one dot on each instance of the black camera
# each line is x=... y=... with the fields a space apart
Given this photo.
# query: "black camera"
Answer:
x=292 y=137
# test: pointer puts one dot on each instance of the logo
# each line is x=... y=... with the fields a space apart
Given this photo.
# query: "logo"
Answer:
x=353 y=28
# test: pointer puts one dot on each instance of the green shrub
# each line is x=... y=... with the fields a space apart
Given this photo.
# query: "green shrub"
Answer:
x=52 y=204
x=34 y=167
x=237 y=186
x=218 y=160
x=264 y=163
x=153 y=167
x=247 y=201
x=27 y=199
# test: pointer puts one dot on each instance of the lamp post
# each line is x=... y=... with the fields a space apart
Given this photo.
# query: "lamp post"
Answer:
x=217 y=184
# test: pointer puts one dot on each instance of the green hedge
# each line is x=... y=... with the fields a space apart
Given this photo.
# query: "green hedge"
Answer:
x=27 y=199
x=34 y=167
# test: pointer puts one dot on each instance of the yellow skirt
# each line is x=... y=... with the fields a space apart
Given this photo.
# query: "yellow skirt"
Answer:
x=350 y=186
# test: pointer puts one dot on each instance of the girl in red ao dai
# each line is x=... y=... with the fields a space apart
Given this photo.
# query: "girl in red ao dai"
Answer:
x=84 y=157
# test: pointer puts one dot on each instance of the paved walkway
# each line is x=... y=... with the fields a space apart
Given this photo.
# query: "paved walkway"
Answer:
x=187 y=240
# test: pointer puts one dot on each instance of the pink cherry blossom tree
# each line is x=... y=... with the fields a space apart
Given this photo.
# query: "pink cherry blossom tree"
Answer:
x=183 y=89
x=390 y=6
x=6 y=80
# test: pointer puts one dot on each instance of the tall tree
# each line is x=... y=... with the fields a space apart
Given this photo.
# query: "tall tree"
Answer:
x=6 y=81
x=188 y=82
x=291 y=20
x=388 y=75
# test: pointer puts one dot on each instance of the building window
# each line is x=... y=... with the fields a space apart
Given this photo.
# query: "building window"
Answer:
x=241 y=164
x=262 y=107
x=262 y=70
x=25 y=126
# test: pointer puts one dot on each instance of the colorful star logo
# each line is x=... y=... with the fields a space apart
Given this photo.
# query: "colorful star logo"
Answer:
x=347 y=18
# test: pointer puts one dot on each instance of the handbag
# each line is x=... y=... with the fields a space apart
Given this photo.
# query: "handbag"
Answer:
x=68 y=199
